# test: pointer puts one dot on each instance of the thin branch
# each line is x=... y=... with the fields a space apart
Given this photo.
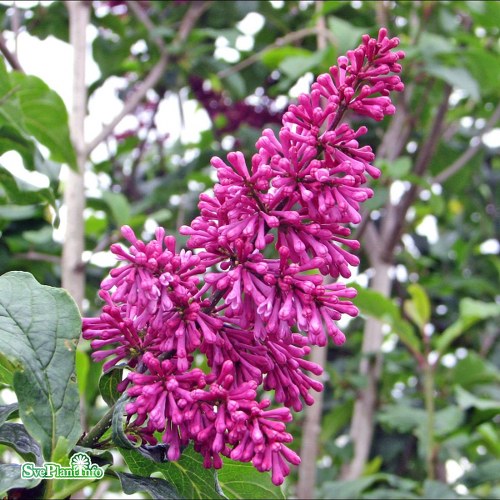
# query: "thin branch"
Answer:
x=195 y=11
x=11 y=57
x=393 y=226
x=42 y=257
x=462 y=161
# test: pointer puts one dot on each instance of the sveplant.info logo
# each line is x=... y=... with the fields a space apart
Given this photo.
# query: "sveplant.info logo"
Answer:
x=80 y=466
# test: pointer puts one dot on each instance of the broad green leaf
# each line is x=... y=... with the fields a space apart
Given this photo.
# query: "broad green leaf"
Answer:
x=39 y=329
x=243 y=480
x=188 y=475
x=45 y=117
x=467 y=400
x=6 y=411
x=16 y=436
x=419 y=307
x=156 y=487
x=10 y=477
x=6 y=371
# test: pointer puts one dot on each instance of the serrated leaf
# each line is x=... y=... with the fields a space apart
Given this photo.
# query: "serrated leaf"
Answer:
x=16 y=436
x=6 y=411
x=39 y=329
x=156 y=487
x=188 y=475
x=243 y=480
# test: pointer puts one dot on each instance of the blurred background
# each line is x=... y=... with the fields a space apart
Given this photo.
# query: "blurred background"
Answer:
x=154 y=89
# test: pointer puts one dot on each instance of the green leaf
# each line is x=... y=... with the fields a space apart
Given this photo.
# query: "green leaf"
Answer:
x=456 y=77
x=481 y=474
x=39 y=329
x=401 y=418
x=296 y=66
x=22 y=193
x=45 y=117
x=117 y=433
x=6 y=411
x=419 y=307
x=188 y=475
x=119 y=207
x=346 y=34
x=273 y=57
x=107 y=386
x=82 y=367
x=16 y=436
x=375 y=304
x=10 y=477
x=243 y=480
x=156 y=487
x=448 y=420
x=437 y=489
x=471 y=312
x=467 y=400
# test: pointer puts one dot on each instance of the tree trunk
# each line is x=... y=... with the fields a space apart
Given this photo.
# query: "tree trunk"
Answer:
x=370 y=368
x=310 y=434
x=73 y=272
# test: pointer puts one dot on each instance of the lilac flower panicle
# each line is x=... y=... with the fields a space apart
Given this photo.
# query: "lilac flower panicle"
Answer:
x=253 y=318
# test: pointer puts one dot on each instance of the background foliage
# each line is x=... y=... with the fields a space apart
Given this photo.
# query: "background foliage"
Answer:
x=433 y=225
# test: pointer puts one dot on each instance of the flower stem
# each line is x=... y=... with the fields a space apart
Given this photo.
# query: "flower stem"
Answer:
x=92 y=437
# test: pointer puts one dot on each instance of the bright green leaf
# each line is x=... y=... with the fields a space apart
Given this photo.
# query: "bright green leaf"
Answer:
x=45 y=116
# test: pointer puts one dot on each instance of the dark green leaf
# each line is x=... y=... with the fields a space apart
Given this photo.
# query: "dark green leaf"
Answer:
x=6 y=411
x=156 y=487
x=107 y=386
x=39 y=328
x=117 y=433
x=16 y=436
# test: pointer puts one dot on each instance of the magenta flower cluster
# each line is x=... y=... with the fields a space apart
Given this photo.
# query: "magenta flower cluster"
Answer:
x=249 y=298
